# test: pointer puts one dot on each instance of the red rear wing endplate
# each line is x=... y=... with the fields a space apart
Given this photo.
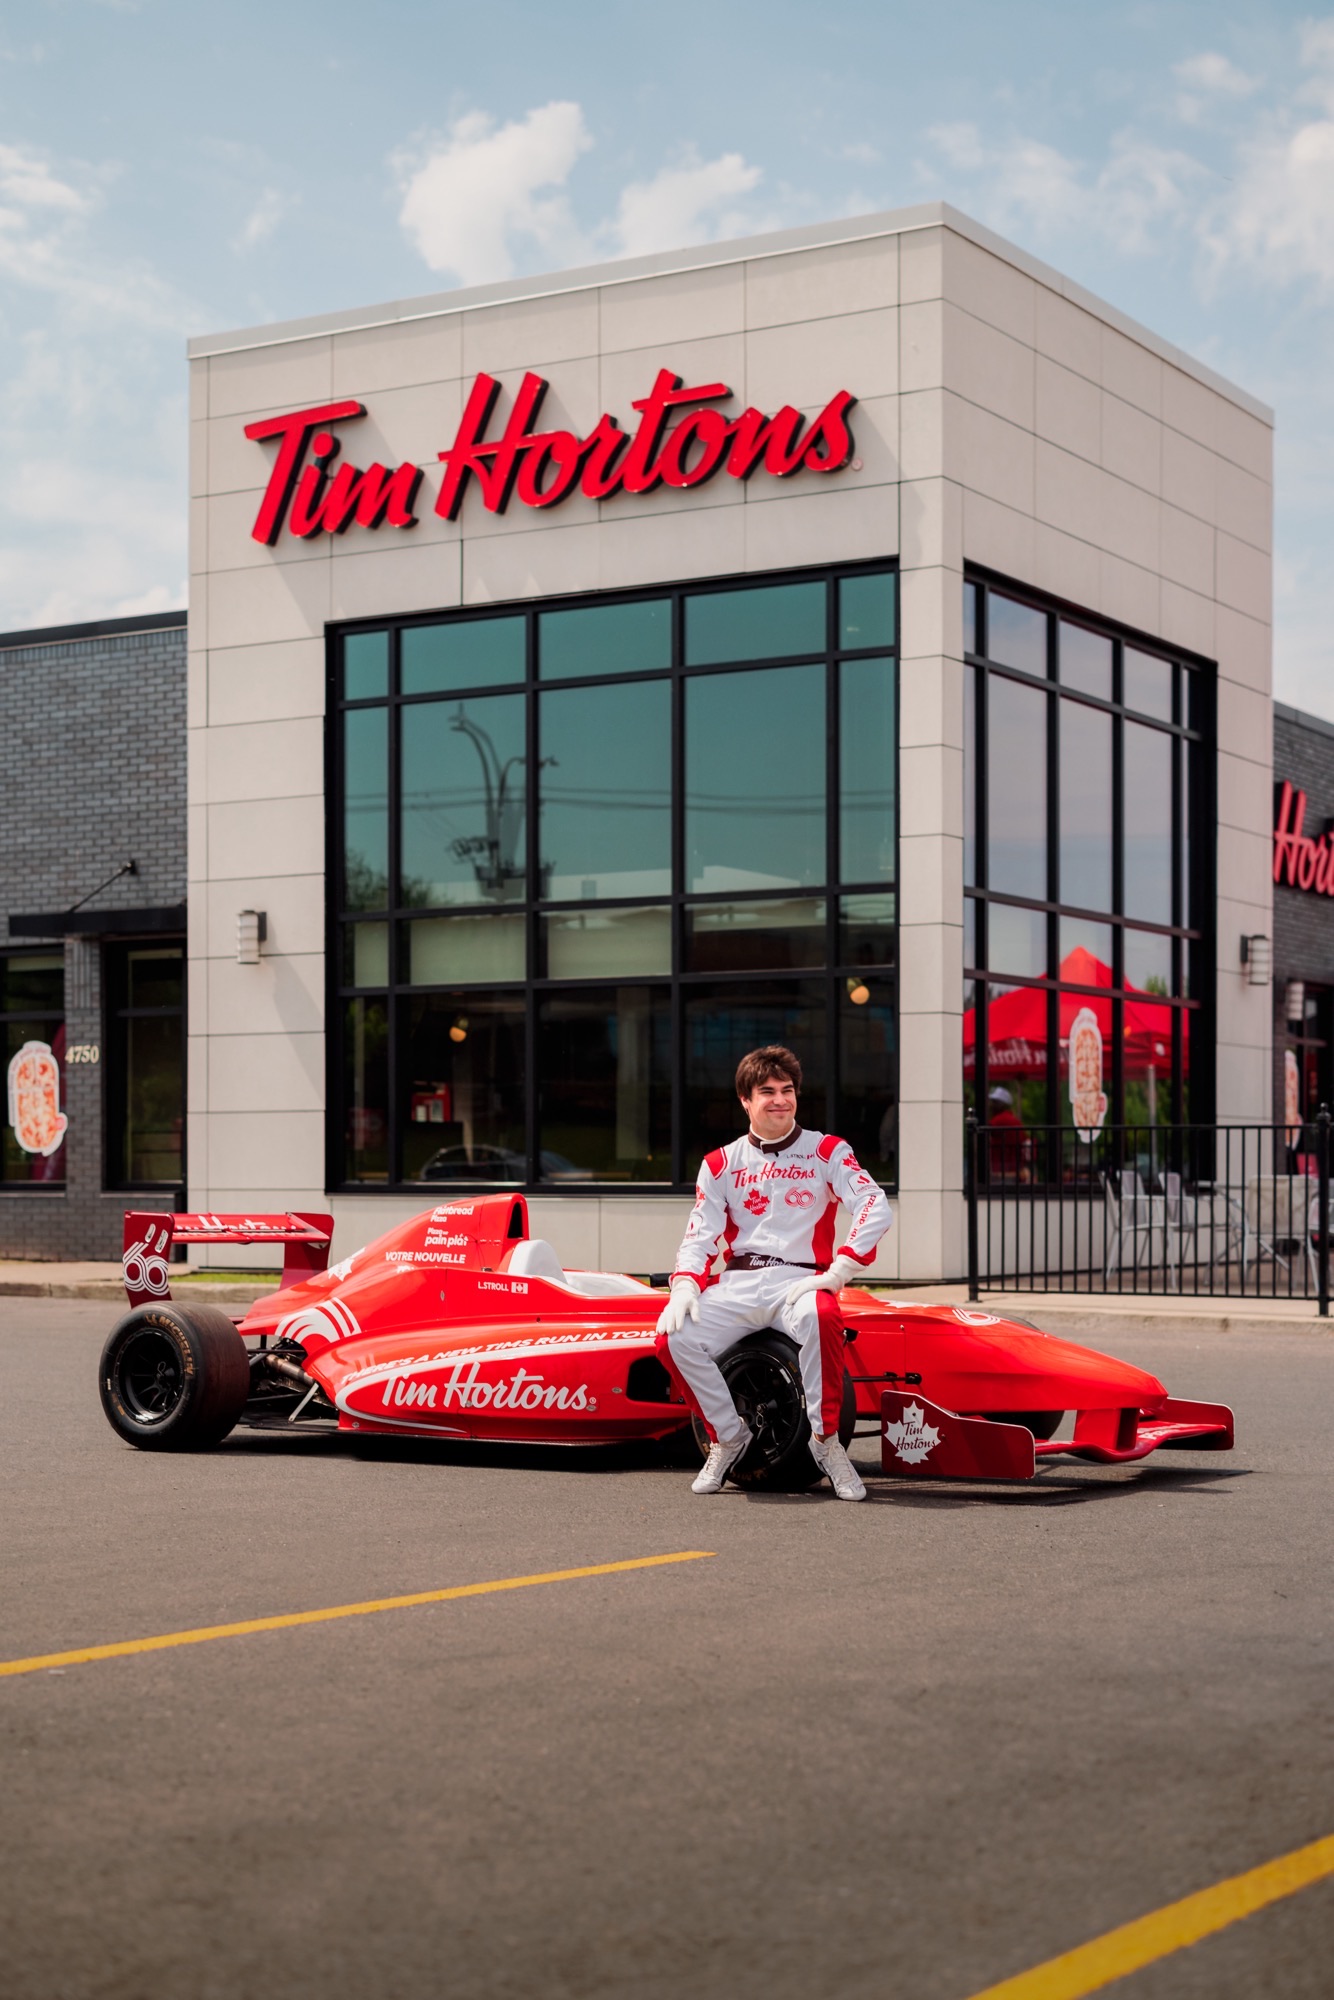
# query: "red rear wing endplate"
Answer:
x=149 y=1238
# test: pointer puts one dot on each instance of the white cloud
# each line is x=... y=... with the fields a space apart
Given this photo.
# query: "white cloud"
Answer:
x=264 y=218
x=481 y=202
x=1278 y=215
x=1213 y=72
x=473 y=193
x=690 y=203
x=159 y=598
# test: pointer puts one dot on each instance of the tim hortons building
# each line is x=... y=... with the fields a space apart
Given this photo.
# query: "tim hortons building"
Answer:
x=821 y=638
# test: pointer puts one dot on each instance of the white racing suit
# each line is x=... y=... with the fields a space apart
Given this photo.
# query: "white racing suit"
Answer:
x=770 y=1206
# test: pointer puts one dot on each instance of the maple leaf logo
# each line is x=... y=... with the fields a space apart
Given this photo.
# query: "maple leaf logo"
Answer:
x=914 y=1439
x=756 y=1202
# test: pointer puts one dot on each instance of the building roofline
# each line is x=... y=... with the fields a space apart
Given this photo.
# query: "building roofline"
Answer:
x=93 y=628
x=1316 y=723
x=707 y=256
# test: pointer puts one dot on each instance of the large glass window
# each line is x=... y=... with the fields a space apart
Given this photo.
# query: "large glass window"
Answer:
x=586 y=854
x=1087 y=767
x=32 y=1014
x=145 y=1102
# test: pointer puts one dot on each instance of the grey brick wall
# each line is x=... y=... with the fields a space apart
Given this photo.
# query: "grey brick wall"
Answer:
x=1303 y=921
x=93 y=758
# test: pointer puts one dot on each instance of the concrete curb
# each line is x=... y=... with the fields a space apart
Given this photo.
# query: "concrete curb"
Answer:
x=107 y=1289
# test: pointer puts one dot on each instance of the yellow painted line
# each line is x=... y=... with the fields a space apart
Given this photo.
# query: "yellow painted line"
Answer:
x=1096 y=1964
x=160 y=1641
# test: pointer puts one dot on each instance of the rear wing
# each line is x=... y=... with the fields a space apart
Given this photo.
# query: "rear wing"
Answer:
x=149 y=1238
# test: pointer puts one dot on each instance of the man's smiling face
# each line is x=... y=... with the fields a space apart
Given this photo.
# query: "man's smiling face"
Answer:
x=772 y=1107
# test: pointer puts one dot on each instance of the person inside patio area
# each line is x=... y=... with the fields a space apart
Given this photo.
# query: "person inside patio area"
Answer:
x=770 y=1200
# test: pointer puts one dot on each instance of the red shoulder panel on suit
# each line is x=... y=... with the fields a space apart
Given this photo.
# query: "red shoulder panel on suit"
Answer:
x=828 y=1145
x=715 y=1162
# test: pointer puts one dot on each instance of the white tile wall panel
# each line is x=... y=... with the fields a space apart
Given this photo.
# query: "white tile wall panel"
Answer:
x=285 y=1149
x=874 y=425
x=709 y=542
x=686 y=305
x=1245 y=792
x=1187 y=549
x=1245 y=722
x=931 y=701
x=266 y=683
x=1188 y=620
x=236 y=463
x=228 y=520
x=930 y=522
x=405 y=576
x=196 y=843
x=921 y=265
x=1067 y=334
x=929 y=1058
x=1189 y=476
x=1131 y=444
x=1243 y=578
x=279 y=996
x=922 y=434
x=931 y=791
x=932 y=617
x=841 y=525
x=931 y=879
x=196 y=927
x=1190 y=407
x=196 y=690
x=198 y=458
x=294 y=905
x=574 y=1229
x=1245 y=504
x=410 y=425
x=368 y=360
x=1069 y=410
x=196 y=1071
x=1085 y=501
x=198 y=392
x=1130 y=594
x=989 y=367
x=1065 y=566
x=805 y=365
x=196 y=1153
x=288 y=376
x=990 y=288
x=266 y=834
x=263 y=760
x=198 y=519
x=261 y=1073
x=543 y=561
x=921 y=1148
x=931 y=971
x=250 y=607
x=922 y=345
x=530 y=333
x=626 y=376
x=998 y=537
x=1243 y=647
x=818 y=284
x=923 y=1240
x=988 y=455
x=1132 y=372
x=1244 y=440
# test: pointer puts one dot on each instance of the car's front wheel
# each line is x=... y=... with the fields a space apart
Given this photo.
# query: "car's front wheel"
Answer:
x=174 y=1378
x=764 y=1376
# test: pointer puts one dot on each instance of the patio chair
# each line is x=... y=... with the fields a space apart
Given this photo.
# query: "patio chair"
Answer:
x=1132 y=1218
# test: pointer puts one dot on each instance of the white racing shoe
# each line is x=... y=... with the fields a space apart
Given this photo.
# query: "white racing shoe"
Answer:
x=834 y=1462
x=721 y=1459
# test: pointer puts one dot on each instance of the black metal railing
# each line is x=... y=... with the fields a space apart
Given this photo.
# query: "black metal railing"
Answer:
x=1235 y=1211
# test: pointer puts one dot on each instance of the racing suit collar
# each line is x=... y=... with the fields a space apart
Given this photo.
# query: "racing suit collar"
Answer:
x=774 y=1145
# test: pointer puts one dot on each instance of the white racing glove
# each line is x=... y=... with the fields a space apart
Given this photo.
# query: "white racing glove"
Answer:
x=841 y=1272
x=683 y=1304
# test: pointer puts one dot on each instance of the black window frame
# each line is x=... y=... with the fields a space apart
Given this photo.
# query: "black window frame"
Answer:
x=838 y=978
x=1194 y=736
x=116 y=1013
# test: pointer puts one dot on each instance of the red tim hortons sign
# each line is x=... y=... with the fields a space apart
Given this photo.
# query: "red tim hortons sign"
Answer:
x=681 y=440
x=1301 y=860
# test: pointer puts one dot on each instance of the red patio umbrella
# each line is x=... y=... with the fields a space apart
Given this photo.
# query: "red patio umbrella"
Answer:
x=1017 y=1023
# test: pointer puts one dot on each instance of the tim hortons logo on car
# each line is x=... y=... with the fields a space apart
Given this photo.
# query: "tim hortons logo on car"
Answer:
x=675 y=443
x=462 y=1390
x=914 y=1439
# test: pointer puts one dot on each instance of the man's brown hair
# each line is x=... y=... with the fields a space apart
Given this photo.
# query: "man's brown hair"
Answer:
x=761 y=1064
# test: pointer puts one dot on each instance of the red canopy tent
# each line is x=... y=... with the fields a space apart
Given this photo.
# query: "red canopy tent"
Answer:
x=1017 y=1024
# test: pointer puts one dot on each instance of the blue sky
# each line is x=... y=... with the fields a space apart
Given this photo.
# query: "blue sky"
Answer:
x=169 y=169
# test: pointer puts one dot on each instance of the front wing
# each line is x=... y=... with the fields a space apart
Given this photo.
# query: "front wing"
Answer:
x=920 y=1440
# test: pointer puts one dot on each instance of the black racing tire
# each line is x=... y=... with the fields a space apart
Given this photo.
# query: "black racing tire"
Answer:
x=174 y=1378
x=763 y=1373
x=1043 y=1423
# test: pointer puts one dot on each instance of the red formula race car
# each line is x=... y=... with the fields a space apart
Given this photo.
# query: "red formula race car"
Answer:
x=459 y=1325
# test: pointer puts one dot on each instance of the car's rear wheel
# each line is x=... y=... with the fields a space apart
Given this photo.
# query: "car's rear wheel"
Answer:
x=764 y=1376
x=174 y=1378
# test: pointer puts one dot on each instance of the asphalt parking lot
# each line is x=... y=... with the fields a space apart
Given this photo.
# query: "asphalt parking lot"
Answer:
x=908 y=1748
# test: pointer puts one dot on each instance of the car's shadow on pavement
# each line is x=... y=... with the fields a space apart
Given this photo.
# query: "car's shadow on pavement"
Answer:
x=337 y=1447
x=1061 y=1488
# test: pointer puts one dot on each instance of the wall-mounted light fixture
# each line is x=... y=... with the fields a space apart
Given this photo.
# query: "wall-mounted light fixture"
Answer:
x=1294 y=1000
x=1257 y=957
x=252 y=927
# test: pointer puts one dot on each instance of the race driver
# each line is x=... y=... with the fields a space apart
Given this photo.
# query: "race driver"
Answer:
x=769 y=1199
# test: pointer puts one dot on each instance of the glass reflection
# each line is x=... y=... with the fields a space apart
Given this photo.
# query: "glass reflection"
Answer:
x=866 y=611
x=763 y=623
x=606 y=813
x=755 y=937
x=365 y=809
x=970 y=618
x=1016 y=941
x=366 y=1090
x=607 y=944
x=605 y=1063
x=366 y=666
x=1148 y=823
x=1085 y=660
x=867 y=1107
x=866 y=930
x=365 y=954
x=970 y=774
x=755 y=821
x=722 y=1020
x=1017 y=787
x=463 y=802
x=867 y=740
x=1148 y=960
x=479 y=652
x=449 y=951
x=462 y=1067
x=1086 y=806
x=605 y=639
x=1146 y=683
x=1016 y=634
